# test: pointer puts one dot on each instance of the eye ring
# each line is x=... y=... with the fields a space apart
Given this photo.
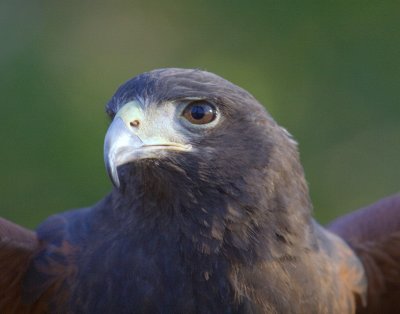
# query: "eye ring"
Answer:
x=200 y=112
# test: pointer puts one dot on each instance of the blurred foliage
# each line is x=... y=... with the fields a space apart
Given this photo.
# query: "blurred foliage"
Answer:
x=327 y=71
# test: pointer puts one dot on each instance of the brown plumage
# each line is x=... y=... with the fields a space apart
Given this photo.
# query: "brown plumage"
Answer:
x=210 y=213
x=17 y=247
x=373 y=233
x=19 y=251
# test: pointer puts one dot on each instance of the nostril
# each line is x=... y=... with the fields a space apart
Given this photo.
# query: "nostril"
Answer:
x=134 y=123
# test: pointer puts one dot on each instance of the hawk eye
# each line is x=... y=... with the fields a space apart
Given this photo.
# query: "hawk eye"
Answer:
x=199 y=112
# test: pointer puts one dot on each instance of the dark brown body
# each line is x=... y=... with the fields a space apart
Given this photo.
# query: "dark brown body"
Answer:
x=334 y=269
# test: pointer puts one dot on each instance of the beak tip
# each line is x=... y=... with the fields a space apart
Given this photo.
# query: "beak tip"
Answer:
x=115 y=181
x=112 y=172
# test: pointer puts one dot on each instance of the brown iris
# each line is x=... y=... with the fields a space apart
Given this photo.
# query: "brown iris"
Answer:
x=199 y=112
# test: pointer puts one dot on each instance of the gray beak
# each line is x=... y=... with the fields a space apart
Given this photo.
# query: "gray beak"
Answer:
x=120 y=145
x=131 y=136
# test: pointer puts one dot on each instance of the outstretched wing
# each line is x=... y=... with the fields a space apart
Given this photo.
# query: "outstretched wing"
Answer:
x=17 y=247
x=373 y=233
x=35 y=269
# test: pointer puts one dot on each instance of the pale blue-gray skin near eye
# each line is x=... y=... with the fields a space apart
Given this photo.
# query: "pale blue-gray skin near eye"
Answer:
x=210 y=213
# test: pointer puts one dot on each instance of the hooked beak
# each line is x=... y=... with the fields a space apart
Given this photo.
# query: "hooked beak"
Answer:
x=126 y=141
x=119 y=148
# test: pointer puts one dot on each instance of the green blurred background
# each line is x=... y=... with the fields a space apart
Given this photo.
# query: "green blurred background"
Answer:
x=327 y=71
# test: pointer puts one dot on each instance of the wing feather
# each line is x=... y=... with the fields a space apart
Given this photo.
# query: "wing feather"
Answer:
x=373 y=233
x=17 y=247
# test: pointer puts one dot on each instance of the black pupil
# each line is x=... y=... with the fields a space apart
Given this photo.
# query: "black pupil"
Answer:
x=198 y=112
